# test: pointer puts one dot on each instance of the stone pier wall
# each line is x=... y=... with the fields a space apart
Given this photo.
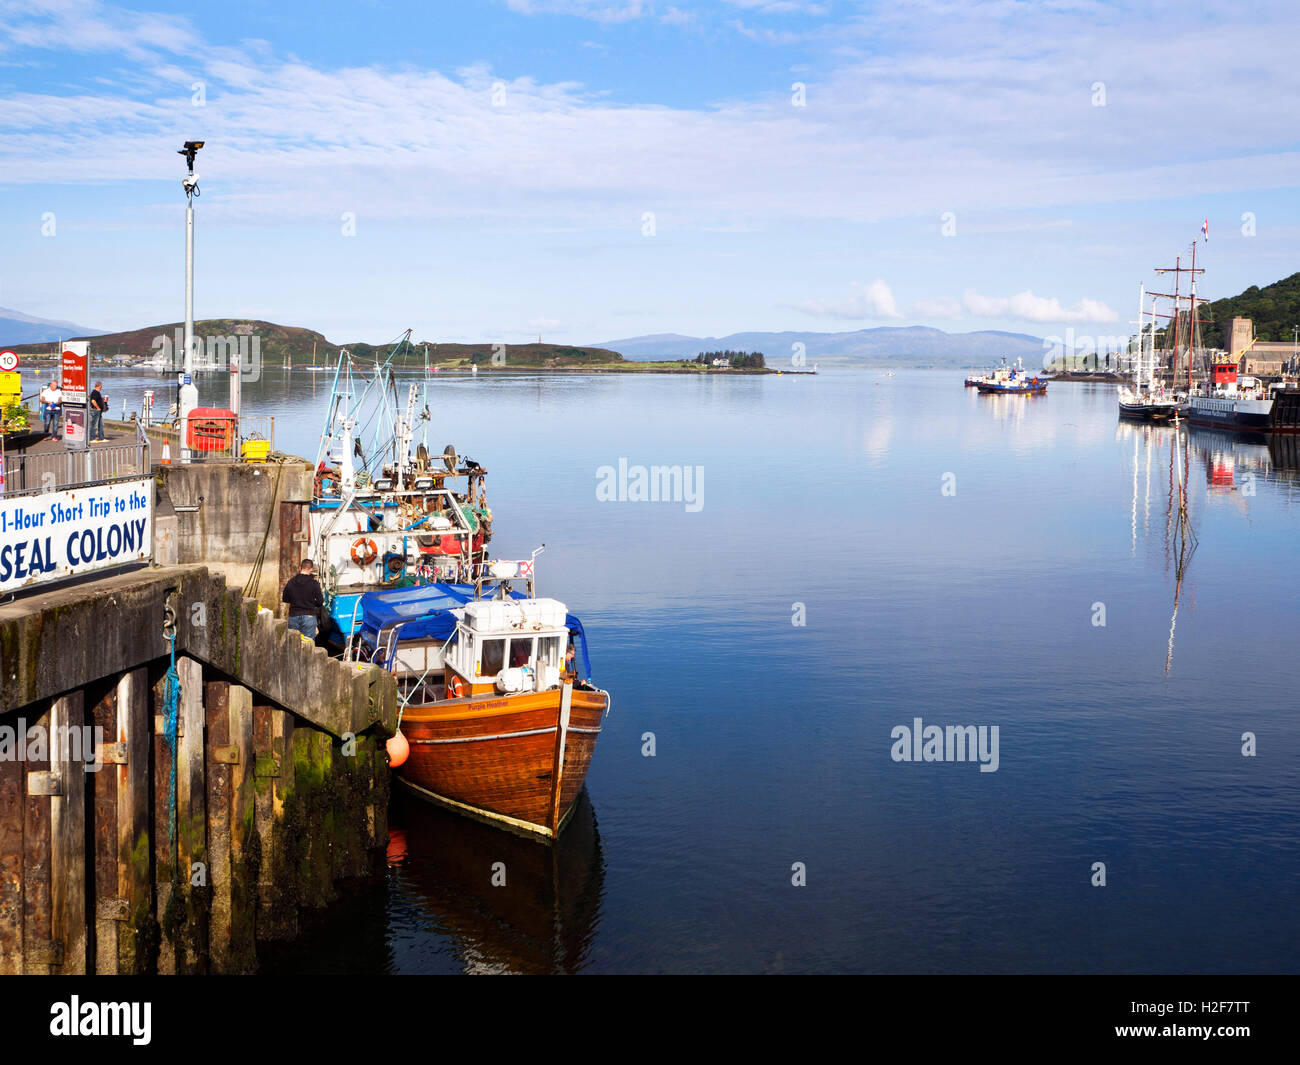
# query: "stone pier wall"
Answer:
x=184 y=846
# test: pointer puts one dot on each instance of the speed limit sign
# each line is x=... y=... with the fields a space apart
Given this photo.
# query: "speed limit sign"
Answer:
x=8 y=360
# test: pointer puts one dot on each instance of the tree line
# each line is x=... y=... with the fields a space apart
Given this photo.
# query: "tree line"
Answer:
x=737 y=360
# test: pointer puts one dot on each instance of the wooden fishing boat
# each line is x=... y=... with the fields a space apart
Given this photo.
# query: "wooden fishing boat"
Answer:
x=496 y=725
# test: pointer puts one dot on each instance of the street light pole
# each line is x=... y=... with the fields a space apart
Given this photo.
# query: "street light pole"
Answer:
x=187 y=396
x=191 y=185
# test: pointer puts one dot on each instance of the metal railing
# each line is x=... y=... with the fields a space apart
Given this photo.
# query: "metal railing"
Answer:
x=247 y=438
x=48 y=471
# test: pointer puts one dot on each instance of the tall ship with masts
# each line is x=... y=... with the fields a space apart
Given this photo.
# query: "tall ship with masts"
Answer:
x=1146 y=399
x=1221 y=397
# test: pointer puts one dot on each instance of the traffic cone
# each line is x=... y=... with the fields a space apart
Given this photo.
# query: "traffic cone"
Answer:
x=167 y=452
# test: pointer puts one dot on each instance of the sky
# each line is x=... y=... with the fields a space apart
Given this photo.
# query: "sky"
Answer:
x=589 y=170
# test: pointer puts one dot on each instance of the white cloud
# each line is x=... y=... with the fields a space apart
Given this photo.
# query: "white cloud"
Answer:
x=675 y=16
x=90 y=26
x=1027 y=307
x=874 y=300
x=926 y=126
x=597 y=10
x=782 y=7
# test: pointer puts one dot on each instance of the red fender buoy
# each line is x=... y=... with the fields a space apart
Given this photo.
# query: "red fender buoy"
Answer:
x=398 y=750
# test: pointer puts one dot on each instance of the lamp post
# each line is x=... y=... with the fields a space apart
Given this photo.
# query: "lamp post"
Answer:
x=187 y=396
x=191 y=185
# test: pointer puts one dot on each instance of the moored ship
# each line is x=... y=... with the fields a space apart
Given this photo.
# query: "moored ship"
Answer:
x=499 y=726
x=1011 y=379
x=1230 y=402
x=1143 y=399
x=385 y=513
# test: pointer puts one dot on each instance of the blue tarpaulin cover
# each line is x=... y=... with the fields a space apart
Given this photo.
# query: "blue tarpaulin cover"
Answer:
x=431 y=604
x=579 y=638
x=427 y=609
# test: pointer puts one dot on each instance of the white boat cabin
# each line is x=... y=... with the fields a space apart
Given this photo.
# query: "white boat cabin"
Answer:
x=507 y=647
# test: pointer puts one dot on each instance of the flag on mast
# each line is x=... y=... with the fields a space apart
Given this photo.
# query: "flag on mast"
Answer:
x=1205 y=228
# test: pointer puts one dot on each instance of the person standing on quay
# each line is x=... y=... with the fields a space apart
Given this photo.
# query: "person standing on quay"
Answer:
x=47 y=408
x=55 y=408
x=98 y=405
x=305 y=600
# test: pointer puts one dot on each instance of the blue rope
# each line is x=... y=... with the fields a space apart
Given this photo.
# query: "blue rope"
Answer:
x=171 y=709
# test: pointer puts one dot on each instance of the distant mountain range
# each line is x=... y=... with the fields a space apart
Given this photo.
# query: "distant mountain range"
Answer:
x=909 y=345
x=19 y=328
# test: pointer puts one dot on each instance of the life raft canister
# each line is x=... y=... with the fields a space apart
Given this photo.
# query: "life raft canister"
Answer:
x=364 y=551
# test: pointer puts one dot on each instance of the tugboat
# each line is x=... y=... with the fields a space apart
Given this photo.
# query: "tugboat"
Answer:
x=499 y=718
x=1011 y=379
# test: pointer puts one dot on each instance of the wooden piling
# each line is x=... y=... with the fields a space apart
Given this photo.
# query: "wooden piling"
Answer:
x=217 y=714
x=277 y=885
x=109 y=909
x=12 y=805
x=68 y=834
x=38 y=952
x=191 y=820
x=233 y=849
x=245 y=844
x=137 y=935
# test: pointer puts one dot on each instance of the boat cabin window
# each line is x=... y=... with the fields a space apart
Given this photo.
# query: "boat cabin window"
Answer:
x=548 y=651
x=521 y=651
x=493 y=657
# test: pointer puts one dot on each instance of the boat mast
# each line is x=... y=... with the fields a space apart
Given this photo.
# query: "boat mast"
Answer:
x=1151 y=367
x=1178 y=274
x=1142 y=299
x=1191 y=321
x=1178 y=270
x=427 y=419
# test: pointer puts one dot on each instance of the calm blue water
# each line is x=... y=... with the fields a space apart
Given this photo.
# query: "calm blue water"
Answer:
x=773 y=741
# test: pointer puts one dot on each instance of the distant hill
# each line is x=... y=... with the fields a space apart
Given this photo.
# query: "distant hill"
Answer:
x=18 y=328
x=1275 y=309
x=908 y=345
x=300 y=347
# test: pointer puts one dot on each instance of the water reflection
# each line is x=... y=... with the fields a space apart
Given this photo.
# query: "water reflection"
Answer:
x=1182 y=544
x=1167 y=449
x=541 y=920
x=1236 y=463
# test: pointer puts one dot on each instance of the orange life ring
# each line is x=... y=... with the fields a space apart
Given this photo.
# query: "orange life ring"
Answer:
x=455 y=687
x=364 y=552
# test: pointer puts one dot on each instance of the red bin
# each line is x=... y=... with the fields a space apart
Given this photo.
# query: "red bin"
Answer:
x=210 y=429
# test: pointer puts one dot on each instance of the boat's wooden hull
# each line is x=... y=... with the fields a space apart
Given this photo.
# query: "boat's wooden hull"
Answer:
x=517 y=761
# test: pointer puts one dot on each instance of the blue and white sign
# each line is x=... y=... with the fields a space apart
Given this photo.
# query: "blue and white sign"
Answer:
x=48 y=536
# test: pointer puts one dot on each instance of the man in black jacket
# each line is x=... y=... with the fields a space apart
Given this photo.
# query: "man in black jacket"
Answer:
x=305 y=600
